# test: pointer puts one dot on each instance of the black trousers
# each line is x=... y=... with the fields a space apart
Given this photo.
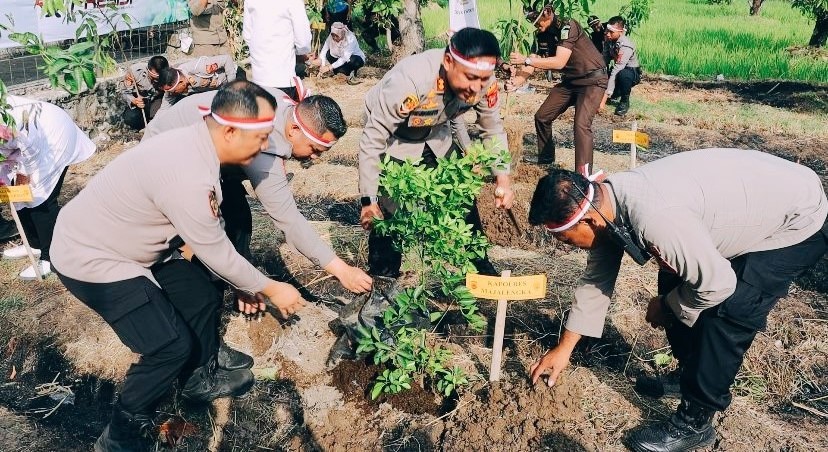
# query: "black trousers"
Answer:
x=39 y=222
x=174 y=328
x=134 y=117
x=235 y=210
x=711 y=352
x=383 y=258
x=353 y=64
x=625 y=80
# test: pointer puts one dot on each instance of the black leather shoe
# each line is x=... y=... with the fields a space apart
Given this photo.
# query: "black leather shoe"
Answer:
x=657 y=386
x=623 y=106
x=535 y=160
x=230 y=359
x=690 y=428
x=8 y=230
x=209 y=382
x=126 y=432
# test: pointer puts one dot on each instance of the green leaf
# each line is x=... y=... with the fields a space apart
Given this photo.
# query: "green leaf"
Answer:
x=662 y=359
x=376 y=390
x=89 y=77
x=434 y=316
x=81 y=47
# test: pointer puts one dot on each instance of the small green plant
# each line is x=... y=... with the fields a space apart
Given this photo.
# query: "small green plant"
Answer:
x=7 y=122
x=662 y=360
x=385 y=11
x=430 y=224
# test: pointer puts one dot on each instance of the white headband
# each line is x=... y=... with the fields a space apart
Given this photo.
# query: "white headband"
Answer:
x=477 y=65
x=239 y=123
x=585 y=205
x=612 y=27
x=177 y=79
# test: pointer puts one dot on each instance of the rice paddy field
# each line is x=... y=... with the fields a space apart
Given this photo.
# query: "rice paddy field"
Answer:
x=694 y=39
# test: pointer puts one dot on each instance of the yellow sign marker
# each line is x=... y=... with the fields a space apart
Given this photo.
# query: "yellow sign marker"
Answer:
x=631 y=136
x=17 y=193
x=318 y=25
x=512 y=289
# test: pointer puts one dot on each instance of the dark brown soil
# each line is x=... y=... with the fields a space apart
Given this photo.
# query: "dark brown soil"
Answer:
x=262 y=333
x=356 y=378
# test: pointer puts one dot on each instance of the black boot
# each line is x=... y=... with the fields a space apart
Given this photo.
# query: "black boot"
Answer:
x=126 y=432
x=623 y=106
x=657 y=386
x=210 y=382
x=230 y=359
x=8 y=230
x=690 y=428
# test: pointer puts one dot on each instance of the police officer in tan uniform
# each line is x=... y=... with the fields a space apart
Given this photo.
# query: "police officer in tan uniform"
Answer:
x=626 y=70
x=114 y=246
x=730 y=230
x=207 y=27
x=583 y=84
x=410 y=115
x=204 y=73
x=142 y=92
x=292 y=137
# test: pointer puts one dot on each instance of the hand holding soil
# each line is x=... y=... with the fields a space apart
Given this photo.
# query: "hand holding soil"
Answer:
x=284 y=296
x=550 y=364
x=504 y=195
x=656 y=315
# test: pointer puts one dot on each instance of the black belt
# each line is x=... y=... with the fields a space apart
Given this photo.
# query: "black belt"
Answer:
x=591 y=74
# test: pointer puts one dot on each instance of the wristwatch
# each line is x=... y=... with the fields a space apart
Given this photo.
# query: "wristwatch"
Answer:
x=366 y=201
x=527 y=61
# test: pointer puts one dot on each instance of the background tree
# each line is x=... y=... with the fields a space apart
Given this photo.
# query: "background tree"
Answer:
x=817 y=10
x=412 y=35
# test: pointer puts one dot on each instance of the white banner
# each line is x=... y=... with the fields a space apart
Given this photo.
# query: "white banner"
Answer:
x=462 y=14
x=143 y=13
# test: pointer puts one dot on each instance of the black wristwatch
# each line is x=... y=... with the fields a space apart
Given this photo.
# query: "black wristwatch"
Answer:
x=366 y=201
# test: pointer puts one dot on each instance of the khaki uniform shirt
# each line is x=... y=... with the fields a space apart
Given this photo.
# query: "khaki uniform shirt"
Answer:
x=125 y=219
x=623 y=55
x=412 y=107
x=138 y=76
x=694 y=211
x=585 y=57
x=204 y=74
x=266 y=173
x=207 y=22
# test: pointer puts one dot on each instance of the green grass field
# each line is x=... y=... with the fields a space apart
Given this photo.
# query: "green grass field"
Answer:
x=693 y=39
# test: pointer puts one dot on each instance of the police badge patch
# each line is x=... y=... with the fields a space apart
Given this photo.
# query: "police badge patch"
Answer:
x=565 y=32
x=214 y=204
x=491 y=95
x=408 y=104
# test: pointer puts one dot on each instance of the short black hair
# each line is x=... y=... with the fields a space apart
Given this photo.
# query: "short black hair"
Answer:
x=474 y=42
x=322 y=114
x=239 y=98
x=556 y=199
x=167 y=76
x=536 y=8
x=617 y=20
x=158 y=63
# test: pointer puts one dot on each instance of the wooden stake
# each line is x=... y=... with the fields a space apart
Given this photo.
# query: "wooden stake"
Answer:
x=633 y=160
x=35 y=262
x=500 y=326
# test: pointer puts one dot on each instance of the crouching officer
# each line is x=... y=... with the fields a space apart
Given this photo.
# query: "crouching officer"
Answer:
x=205 y=73
x=626 y=71
x=303 y=131
x=583 y=84
x=728 y=243
x=142 y=92
x=112 y=250
x=409 y=116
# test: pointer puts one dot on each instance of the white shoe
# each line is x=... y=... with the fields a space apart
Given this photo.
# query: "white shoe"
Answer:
x=19 y=252
x=29 y=273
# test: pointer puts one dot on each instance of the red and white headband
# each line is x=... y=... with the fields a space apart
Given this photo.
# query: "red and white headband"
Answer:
x=177 y=79
x=302 y=93
x=612 y=27
x=239 y=123
x=477 y=65
x=583 y=208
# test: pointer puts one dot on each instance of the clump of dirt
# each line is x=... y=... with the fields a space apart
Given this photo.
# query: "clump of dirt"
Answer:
x=515 y=416
x=356 y=378
x=262 y=333
x=501 y=227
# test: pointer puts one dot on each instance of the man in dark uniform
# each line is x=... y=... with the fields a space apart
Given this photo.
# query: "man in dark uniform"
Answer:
x=597 y=33
x=583 y=85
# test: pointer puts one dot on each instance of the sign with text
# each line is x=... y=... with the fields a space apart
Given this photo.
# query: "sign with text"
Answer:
x=511 y=289
x=631 y=136
x=462 y=14
x=17 y=193
x=142 y=13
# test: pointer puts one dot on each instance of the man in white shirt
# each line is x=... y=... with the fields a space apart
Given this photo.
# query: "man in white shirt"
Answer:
x=276 y=32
